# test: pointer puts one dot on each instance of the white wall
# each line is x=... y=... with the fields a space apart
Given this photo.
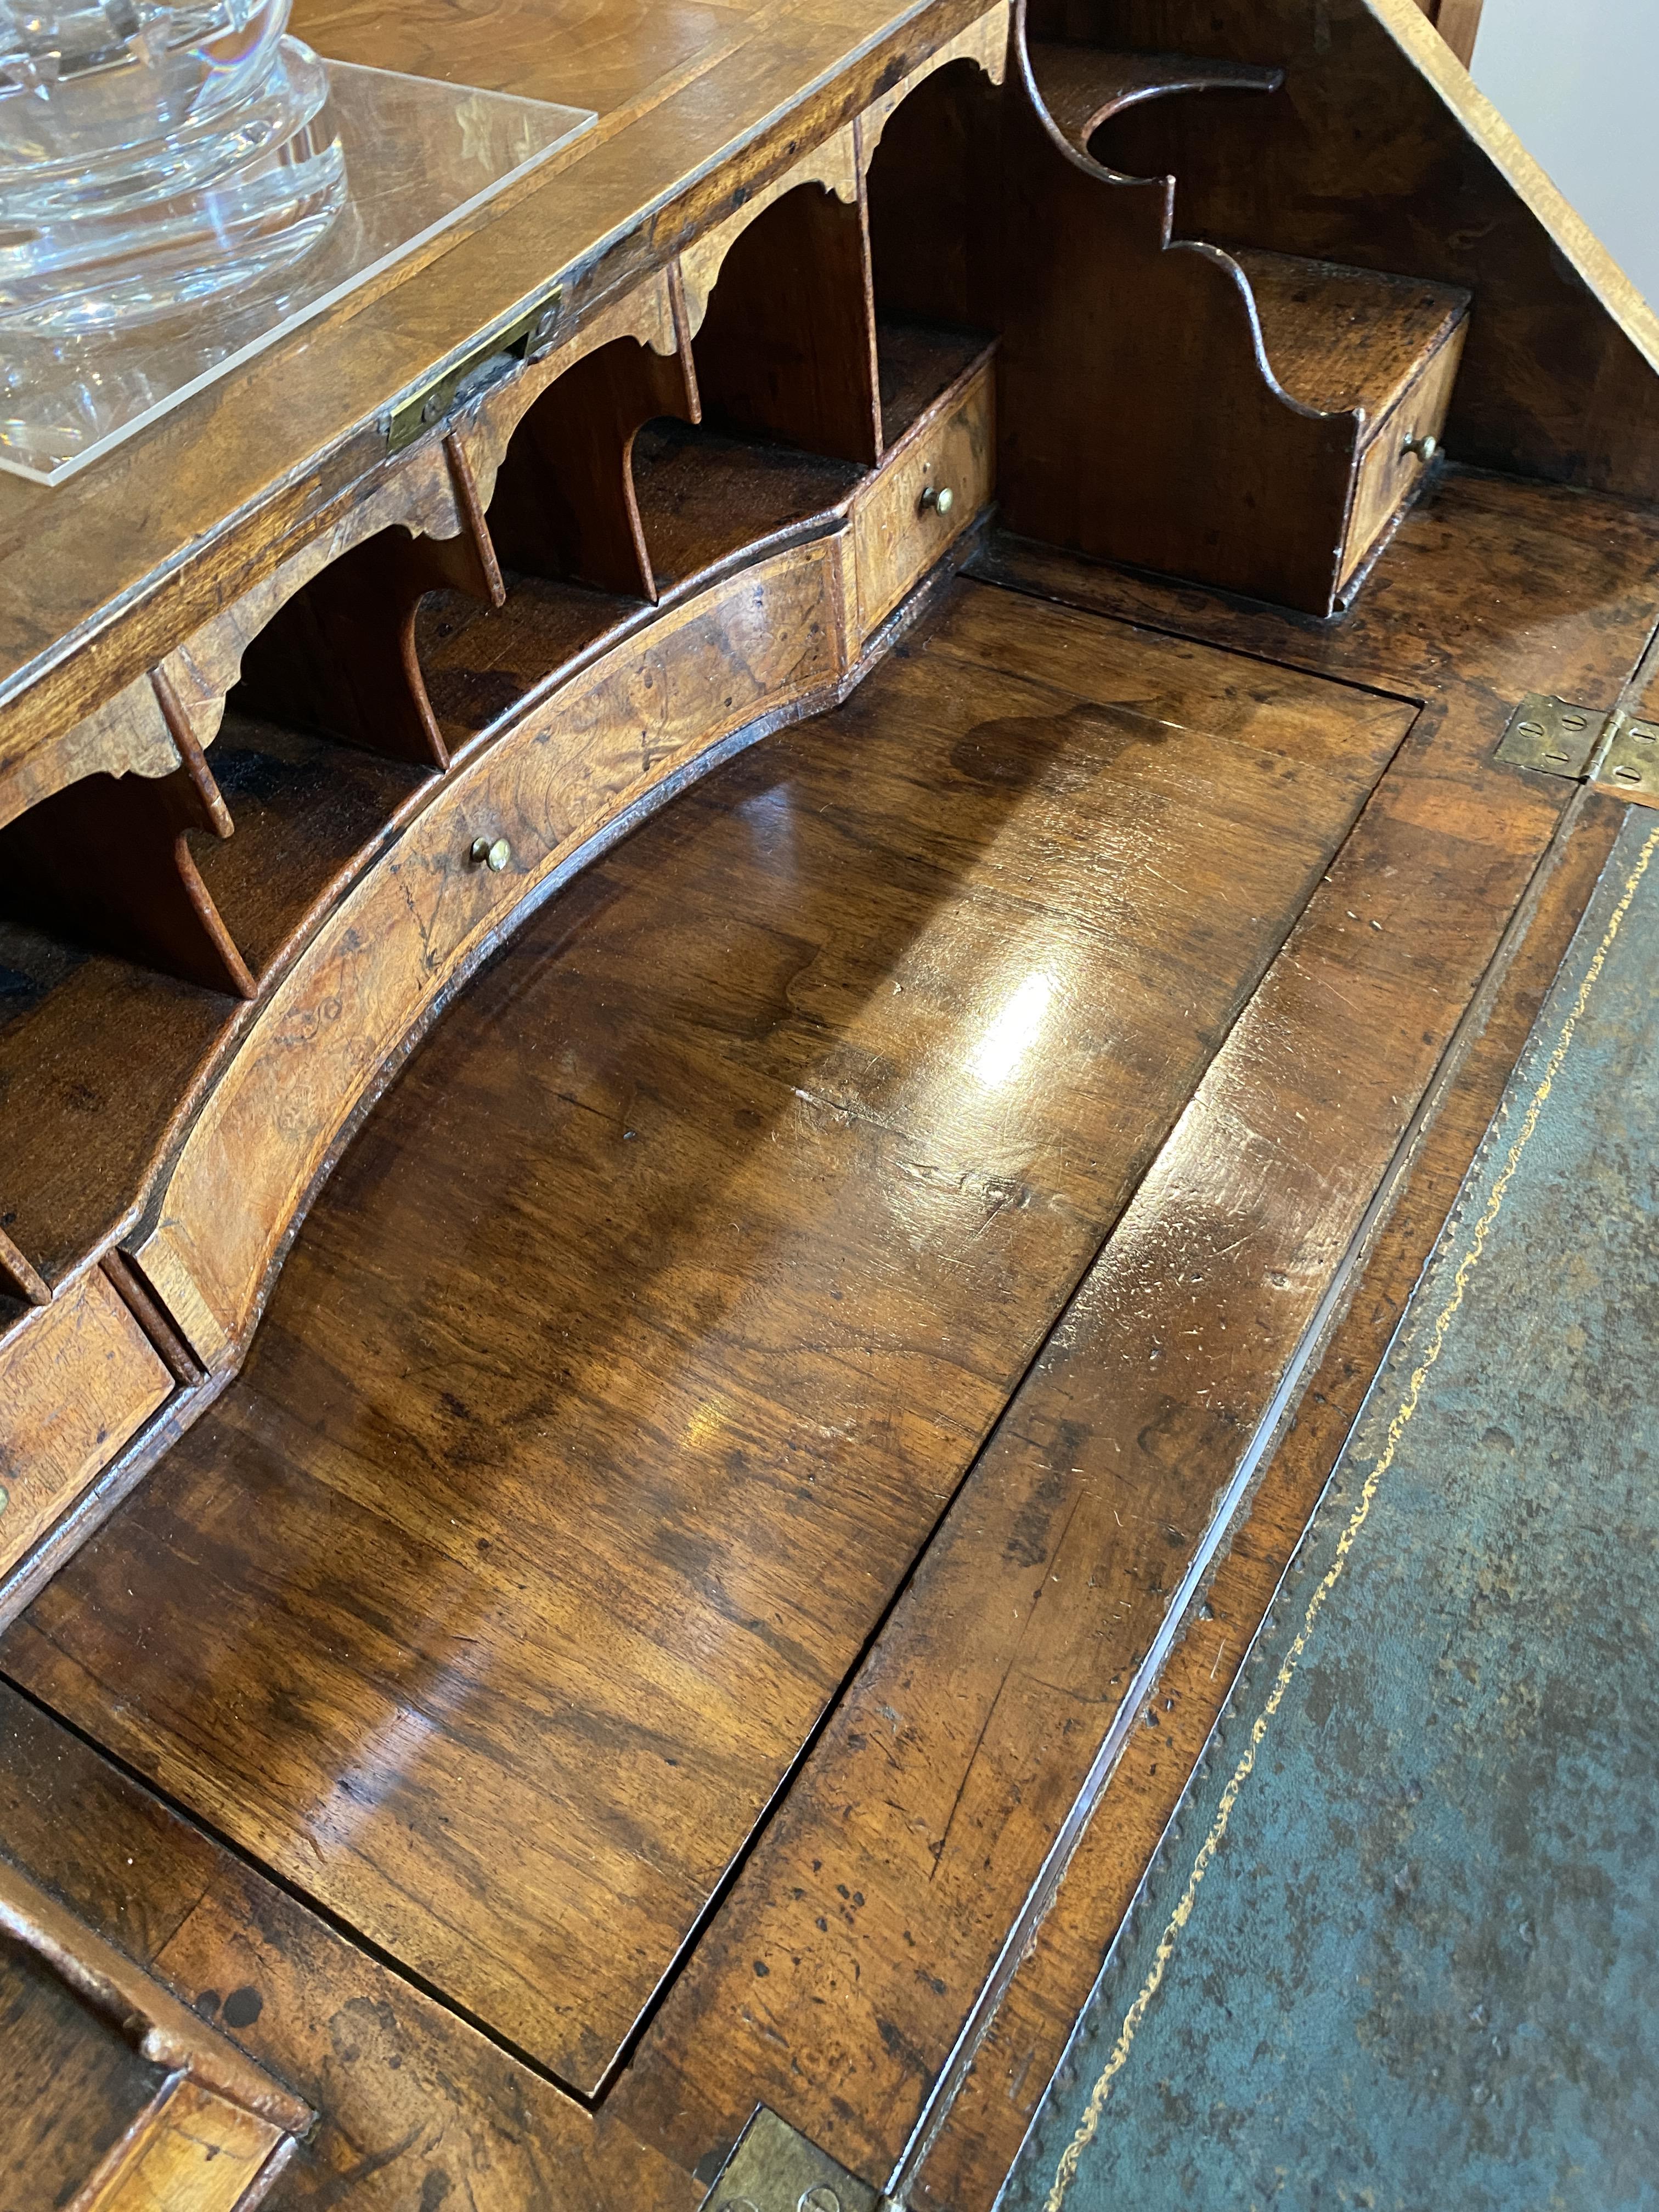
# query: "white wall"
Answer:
x=1577 y=81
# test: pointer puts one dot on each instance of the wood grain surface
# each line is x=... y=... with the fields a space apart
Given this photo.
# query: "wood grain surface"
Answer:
x=914 y=1850
x=982 y=2132
x=1348 y=338
x=683 y=1315
x=70 y=2086
x=414 y=2104
x=99 y=1060
x=1394 y=468
x=20 y=1279
x=564 y=504
x=1084 y=86
x=984 y=42
x=108 y=861
x=787 y=348
x=1458 y=23
x=1559 y=381
x=78 y=1377
x=1386 y=150
x=833 y=165
x=685 y=1604
x=171 y=2036
x=119 y=2097
x=842 y=2032
x=194 y=2152
x=898 y=531
x=1168 y=444
x=217 y=1221
x=850 y=2030
x=109 y=1069
x=127 y=735
x=191 y=513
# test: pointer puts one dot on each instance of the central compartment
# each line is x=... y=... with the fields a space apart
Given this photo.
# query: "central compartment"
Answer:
x=644 y=1335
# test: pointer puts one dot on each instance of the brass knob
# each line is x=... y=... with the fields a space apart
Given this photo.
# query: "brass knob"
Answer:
x=1424 y=447
x=495 y=857
x=940 y=502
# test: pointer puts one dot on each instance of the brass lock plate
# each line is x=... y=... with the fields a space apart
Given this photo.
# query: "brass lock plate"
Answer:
x=483 y=364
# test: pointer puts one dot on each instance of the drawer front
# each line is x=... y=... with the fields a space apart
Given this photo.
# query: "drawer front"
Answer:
x=898 y=532
x=627 y=724
x=77 y=1379
x=1388 y=473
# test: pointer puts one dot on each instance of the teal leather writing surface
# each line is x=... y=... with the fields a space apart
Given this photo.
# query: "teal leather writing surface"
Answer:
x=1399 y=1951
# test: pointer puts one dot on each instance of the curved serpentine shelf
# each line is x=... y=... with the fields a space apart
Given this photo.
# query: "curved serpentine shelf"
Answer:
x=1083 y=87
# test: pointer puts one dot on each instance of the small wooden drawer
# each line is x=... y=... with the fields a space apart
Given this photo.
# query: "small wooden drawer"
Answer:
x=628 y=723
x=1392 y=461
x=903 y=519
x=77 y=1379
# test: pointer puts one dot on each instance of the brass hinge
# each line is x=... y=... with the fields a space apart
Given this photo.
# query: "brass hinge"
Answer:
x=483 y=364
x=1616 y=752
x=774 y=2168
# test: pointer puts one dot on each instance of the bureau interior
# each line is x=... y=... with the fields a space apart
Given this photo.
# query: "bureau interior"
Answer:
x=643 y=1010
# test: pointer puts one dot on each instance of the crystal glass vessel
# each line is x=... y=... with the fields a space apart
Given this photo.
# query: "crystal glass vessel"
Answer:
x=154 y=156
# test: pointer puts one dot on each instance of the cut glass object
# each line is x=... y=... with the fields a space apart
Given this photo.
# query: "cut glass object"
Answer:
x=159 y=256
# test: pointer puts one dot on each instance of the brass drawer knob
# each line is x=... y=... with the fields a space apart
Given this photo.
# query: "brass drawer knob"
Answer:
x=493 y=856
x=1424 y=447
x=938 y=502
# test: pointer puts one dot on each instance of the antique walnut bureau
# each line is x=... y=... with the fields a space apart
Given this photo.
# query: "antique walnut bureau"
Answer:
x=1018 y=638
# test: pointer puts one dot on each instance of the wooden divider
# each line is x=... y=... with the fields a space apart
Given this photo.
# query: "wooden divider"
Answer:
x=565 y=506
x=109 y=859
x=787 y=348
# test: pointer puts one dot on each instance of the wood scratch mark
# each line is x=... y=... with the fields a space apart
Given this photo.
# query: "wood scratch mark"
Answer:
x=990 y=1713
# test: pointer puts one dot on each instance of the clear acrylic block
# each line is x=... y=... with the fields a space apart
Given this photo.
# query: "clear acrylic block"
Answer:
x=137 y=270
